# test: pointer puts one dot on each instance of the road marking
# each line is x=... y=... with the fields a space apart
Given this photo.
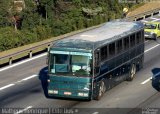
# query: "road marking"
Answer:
x=95 y=113
x=7 y=86
x=147 y=80
x=25 y=79
x=19 y=63
x=144 y=21
x=23 y=110
x=30 y=77
x=151 y=48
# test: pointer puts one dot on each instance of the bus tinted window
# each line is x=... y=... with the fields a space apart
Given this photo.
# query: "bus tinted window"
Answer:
x=104 y=53
x=119 y=46
x=138 y=38
x=97 y=58
x=126 y=43
x=111 y=49
x=142 y=35
x=132 y=40
x=61 y=59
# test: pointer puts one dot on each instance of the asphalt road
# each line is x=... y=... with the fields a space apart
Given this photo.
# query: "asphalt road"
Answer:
x=21 y=88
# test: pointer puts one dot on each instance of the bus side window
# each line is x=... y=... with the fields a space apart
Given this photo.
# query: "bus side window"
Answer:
x=142 y=36
x=97 y=58
x=126 y=43
x=132 y=40
x=104 y=53
x=97 y=62
x=138 y=38
x=119 y=46
x=111 y=49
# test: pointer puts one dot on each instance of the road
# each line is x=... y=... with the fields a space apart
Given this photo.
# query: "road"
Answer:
x=20 y=88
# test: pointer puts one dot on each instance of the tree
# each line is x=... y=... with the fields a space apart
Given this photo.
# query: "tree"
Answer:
x=4 y=13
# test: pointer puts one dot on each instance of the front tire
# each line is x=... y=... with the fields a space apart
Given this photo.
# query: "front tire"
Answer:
x=101 y=90
x=155 y=37
x=132 y=73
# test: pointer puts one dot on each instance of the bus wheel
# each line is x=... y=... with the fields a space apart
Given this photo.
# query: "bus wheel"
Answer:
x=132 y=73
x=101 y=91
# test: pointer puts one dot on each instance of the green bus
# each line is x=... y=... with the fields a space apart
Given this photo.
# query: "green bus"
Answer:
x=85 y=65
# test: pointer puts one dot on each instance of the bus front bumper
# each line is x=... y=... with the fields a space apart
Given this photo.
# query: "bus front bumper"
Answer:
x=69 y=94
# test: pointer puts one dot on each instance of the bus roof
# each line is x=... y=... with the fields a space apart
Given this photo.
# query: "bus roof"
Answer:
x=106 y=33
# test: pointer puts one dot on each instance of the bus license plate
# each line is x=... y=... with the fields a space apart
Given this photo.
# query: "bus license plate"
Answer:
x=67 y=93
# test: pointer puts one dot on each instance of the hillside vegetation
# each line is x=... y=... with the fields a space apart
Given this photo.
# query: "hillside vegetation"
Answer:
x=36 y=20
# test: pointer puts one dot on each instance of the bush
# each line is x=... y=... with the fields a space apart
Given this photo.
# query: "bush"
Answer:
x=9 y=38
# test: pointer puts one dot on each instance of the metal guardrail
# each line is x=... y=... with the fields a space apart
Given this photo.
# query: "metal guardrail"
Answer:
x=144 y=14
x=29 y=50
x=8 y=57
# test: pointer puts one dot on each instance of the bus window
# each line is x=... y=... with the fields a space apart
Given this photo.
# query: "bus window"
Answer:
x=111 y=49
x=97 y=58
x=142 y=36
x=119 y=46
x=59 y=63
x=81 y=65
x=104 y=53
x=97 y=61
x=132 y=40
x=126 y=43
x=138 y=38
x=61 y=59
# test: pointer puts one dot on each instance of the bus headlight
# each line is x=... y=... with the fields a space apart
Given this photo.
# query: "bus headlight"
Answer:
x=53 y=91
x=83 y=94
x=80 y=94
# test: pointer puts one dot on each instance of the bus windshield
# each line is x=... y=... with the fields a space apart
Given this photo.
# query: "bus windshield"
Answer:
x=66 y=64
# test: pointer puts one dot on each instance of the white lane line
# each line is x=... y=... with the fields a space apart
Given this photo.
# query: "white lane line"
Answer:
x=147 y=80
x=30 y=77
x=144 y=21
x=7 y=86
x=95 y=113
x=21 y=111
x=151 y=48
x=25 y=61
x=25 y=79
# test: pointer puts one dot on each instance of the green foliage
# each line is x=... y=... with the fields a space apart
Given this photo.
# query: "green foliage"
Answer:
x=4 y=13
x=9 y=38
x=48 y=18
